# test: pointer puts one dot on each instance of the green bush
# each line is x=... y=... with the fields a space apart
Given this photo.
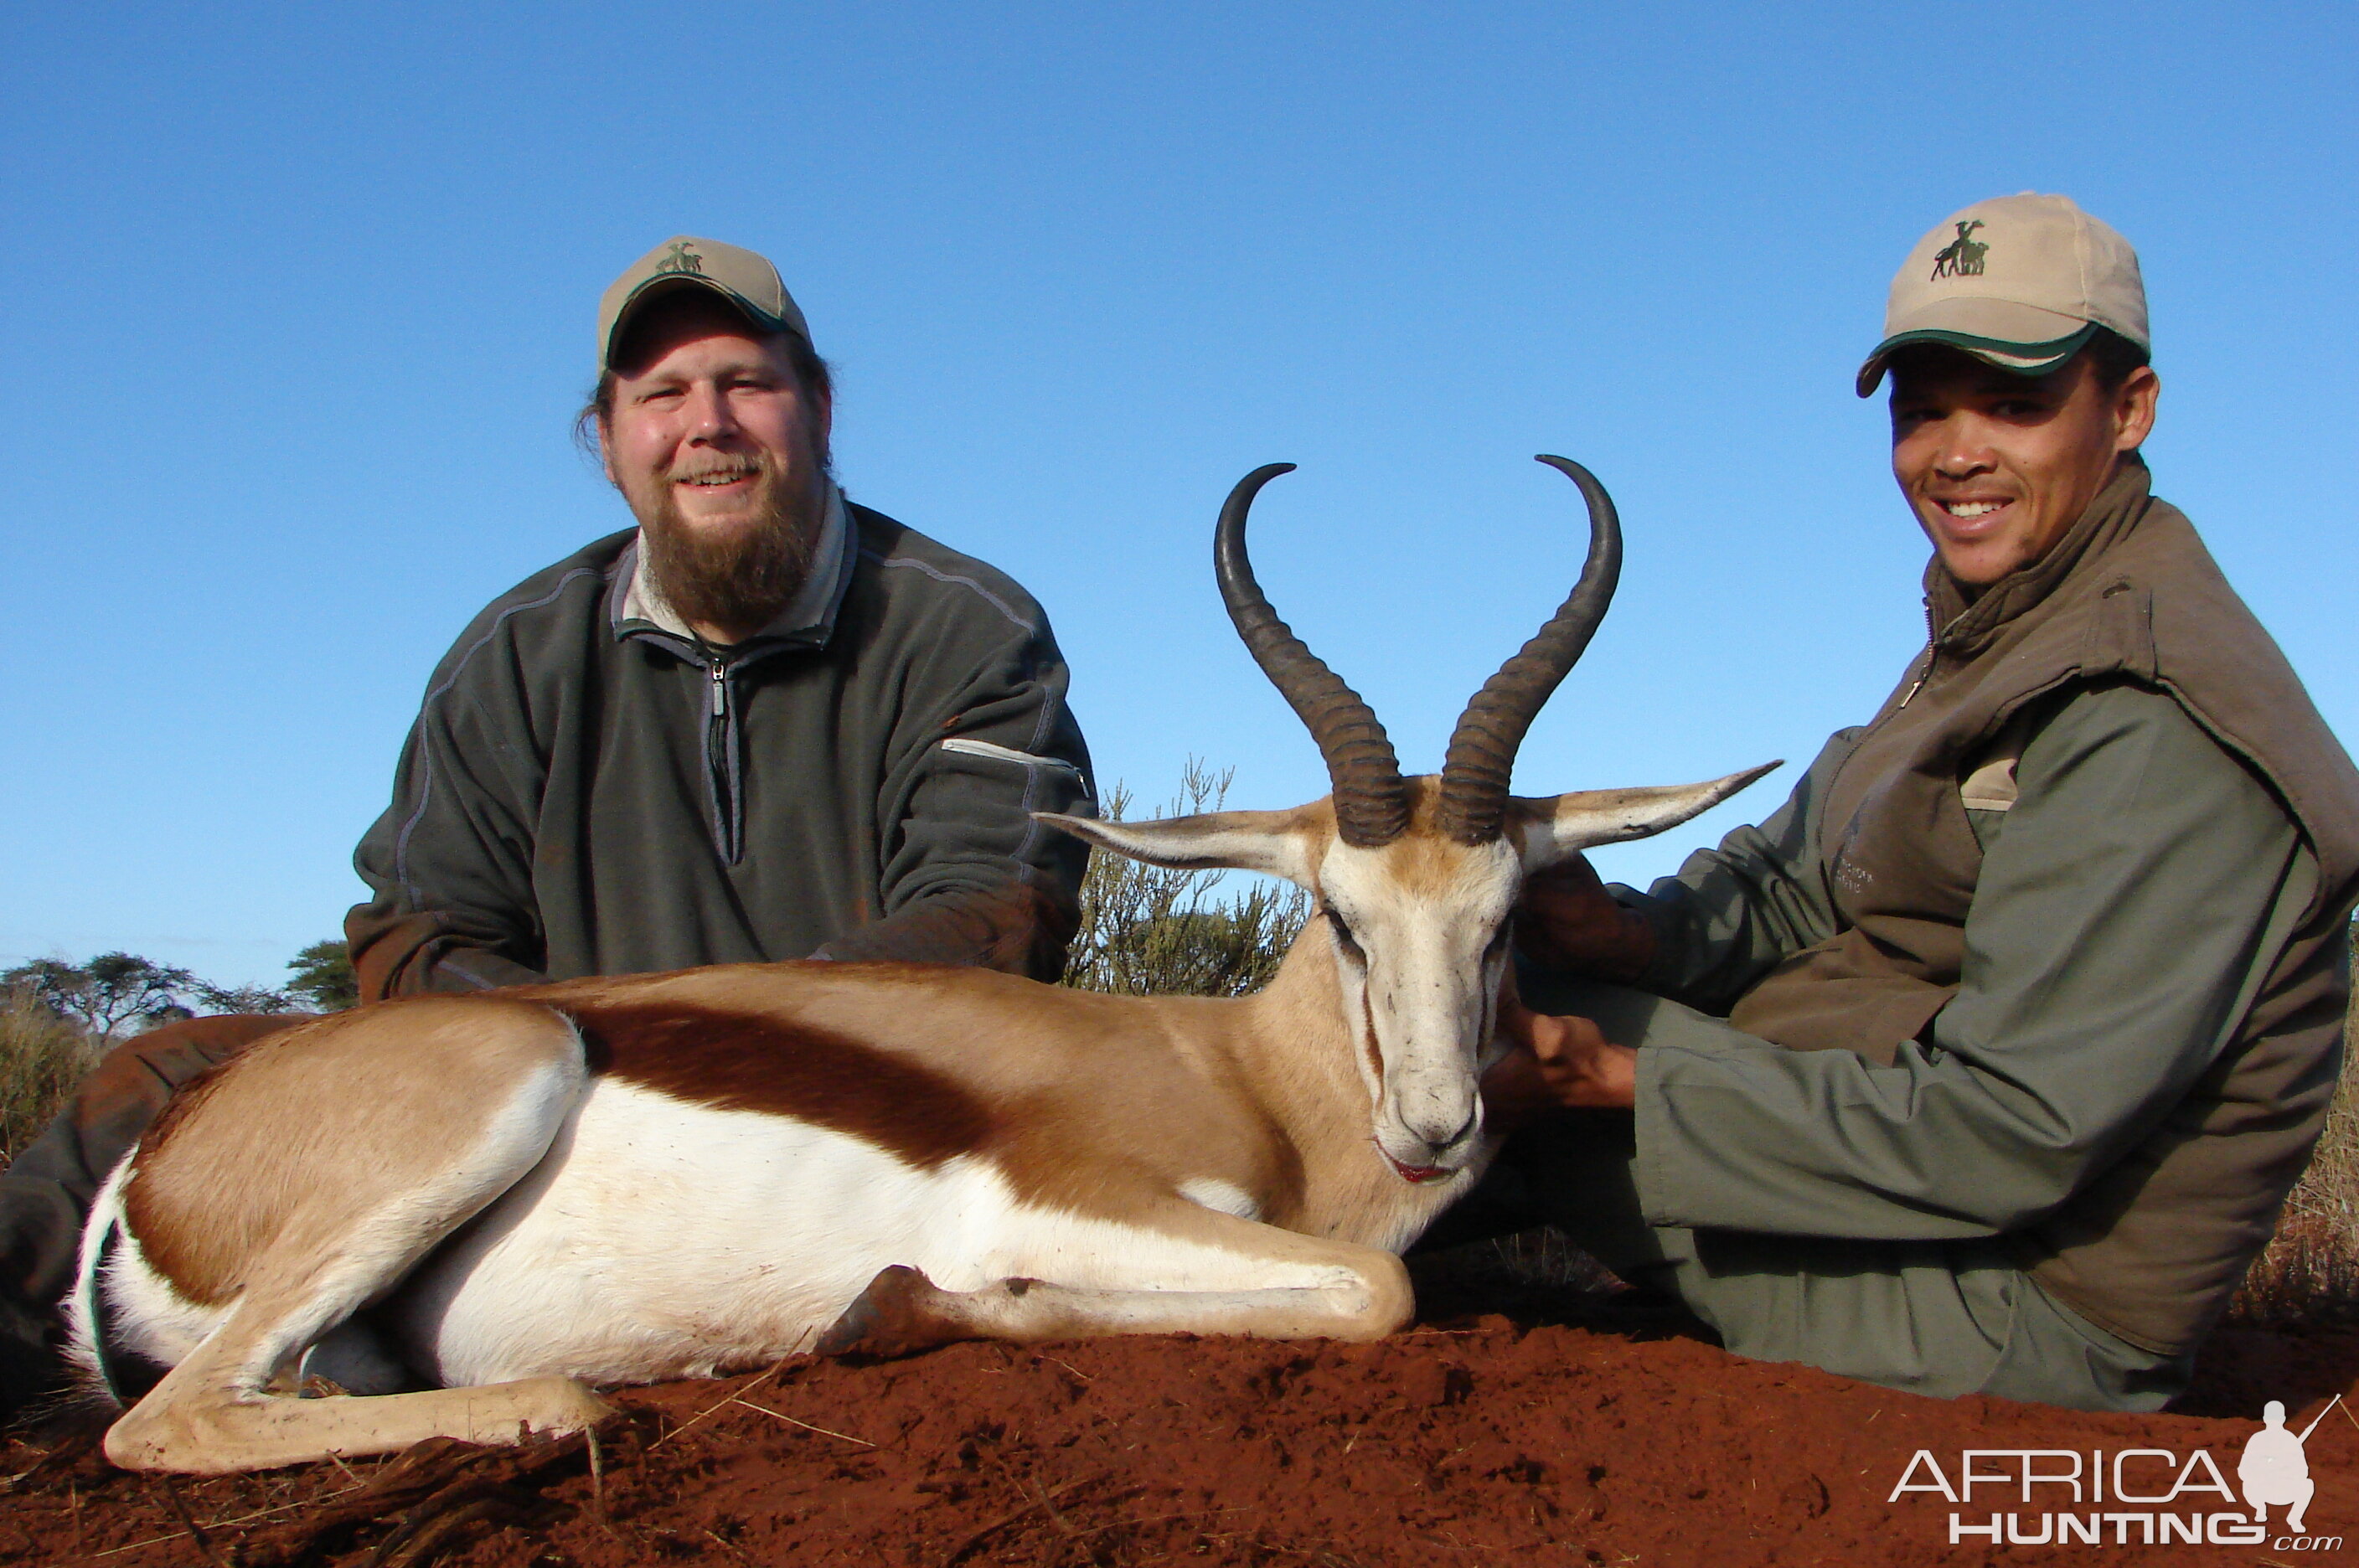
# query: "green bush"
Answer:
x=1149 y=931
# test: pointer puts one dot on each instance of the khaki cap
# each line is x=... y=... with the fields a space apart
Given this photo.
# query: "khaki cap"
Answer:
x=2021 y=282
x=745 y=279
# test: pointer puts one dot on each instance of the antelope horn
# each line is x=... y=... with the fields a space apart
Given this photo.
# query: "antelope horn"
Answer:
x=1371 y=801
x=1482 y=754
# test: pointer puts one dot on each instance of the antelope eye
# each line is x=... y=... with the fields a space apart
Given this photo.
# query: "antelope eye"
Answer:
x=1343 y=934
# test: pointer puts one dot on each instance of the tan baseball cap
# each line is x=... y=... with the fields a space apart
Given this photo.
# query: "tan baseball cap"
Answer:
x=2017 y=281
x=744 y=278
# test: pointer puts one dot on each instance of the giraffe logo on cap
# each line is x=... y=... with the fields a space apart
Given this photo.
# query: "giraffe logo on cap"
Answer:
x=1963 y=256
x=679 y=258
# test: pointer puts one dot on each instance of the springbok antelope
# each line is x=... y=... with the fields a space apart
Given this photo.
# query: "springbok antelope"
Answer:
x=458 y=1212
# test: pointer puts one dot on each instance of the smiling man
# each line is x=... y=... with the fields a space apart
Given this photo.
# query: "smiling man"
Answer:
x=766 y=724
x=1986 y=1063
x=763 y=723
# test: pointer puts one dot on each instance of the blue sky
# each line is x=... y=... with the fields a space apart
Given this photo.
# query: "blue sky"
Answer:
x=298 y=304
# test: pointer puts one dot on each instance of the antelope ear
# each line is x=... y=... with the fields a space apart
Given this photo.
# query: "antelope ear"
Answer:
x=1557 y=828
x=1266 y=841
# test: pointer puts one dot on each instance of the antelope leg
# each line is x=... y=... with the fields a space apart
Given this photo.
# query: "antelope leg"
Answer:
x=1218 y=1275
x=320 y=1198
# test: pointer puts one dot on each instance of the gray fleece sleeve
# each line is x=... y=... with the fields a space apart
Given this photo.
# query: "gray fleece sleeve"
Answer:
x=450 y=862
x=967 y=876
x=2127 y=913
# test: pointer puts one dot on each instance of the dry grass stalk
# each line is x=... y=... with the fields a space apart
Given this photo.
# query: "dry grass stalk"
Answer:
x=42 y=1057
x=2309 y=1277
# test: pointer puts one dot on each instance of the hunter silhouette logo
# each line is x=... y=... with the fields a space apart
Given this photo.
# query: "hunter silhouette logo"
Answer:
x=2275 y=1469
x=1963 y=256
x=679 y=258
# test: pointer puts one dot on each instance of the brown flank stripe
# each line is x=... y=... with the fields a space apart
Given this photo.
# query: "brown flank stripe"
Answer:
x=748 y=1061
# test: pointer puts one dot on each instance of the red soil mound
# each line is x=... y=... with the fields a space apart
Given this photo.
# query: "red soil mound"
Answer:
x=1483 y=1442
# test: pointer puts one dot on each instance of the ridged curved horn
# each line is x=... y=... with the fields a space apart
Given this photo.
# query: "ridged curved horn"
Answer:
x=1473 y=805
x=1371 y=801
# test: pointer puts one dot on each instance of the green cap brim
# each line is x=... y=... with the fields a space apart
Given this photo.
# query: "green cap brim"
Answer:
x=2022 y=358
x=678 y=282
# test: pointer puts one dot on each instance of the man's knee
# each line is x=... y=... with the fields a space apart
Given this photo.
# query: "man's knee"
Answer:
x=131 y=1085
x=171 y=1055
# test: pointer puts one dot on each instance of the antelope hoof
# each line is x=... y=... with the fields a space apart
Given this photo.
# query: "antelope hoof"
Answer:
x=900 y=1313
x=554 y=1406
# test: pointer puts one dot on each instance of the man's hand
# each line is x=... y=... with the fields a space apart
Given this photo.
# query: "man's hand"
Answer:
x=1559 y=1063
x=1567 y=921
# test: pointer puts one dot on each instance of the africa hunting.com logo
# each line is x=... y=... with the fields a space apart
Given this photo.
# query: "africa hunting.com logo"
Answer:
x=2133 y=1497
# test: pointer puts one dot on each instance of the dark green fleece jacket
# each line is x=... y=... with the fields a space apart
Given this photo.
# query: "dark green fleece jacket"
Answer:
x=586 y=792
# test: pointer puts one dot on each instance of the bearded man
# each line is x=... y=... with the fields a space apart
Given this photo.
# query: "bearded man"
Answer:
x=765 y=724
x=1985 y=1065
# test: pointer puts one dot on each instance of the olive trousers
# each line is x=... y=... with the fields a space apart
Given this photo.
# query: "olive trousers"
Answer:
x=1942 y=1318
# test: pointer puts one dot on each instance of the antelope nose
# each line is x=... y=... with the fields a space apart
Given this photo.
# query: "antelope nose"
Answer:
x=1439 y=1109
x=1465 y=1129
x=1453 y=1139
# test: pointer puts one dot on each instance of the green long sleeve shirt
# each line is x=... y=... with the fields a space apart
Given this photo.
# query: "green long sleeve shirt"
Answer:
x=2131 y=903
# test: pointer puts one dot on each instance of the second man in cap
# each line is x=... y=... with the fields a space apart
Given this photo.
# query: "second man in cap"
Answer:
x=1985 y=1065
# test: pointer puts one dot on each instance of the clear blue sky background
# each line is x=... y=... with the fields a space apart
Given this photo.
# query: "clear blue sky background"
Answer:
x=296 y=304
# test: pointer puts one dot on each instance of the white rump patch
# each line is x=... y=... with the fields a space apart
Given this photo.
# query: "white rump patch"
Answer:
x=149 y=1316
x=1221 y=1196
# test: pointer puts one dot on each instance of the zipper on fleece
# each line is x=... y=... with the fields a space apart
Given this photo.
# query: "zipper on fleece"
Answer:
x=725 y=785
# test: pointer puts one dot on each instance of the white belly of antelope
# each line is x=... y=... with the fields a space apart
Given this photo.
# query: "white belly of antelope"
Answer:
x=661 y=1239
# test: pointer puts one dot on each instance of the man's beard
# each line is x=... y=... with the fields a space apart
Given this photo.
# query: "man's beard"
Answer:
x=735 y=580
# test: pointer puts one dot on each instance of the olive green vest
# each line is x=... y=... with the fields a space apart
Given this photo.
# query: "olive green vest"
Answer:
x=2152 y=1248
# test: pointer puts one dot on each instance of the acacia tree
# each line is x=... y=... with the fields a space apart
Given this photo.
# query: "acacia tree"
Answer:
x=322 y=981
x=246 y=998
x=108 y=993
x=323 y=976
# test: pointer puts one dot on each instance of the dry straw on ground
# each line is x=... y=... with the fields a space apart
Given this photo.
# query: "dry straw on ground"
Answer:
x=41 y=1059
x=2308 y=1277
